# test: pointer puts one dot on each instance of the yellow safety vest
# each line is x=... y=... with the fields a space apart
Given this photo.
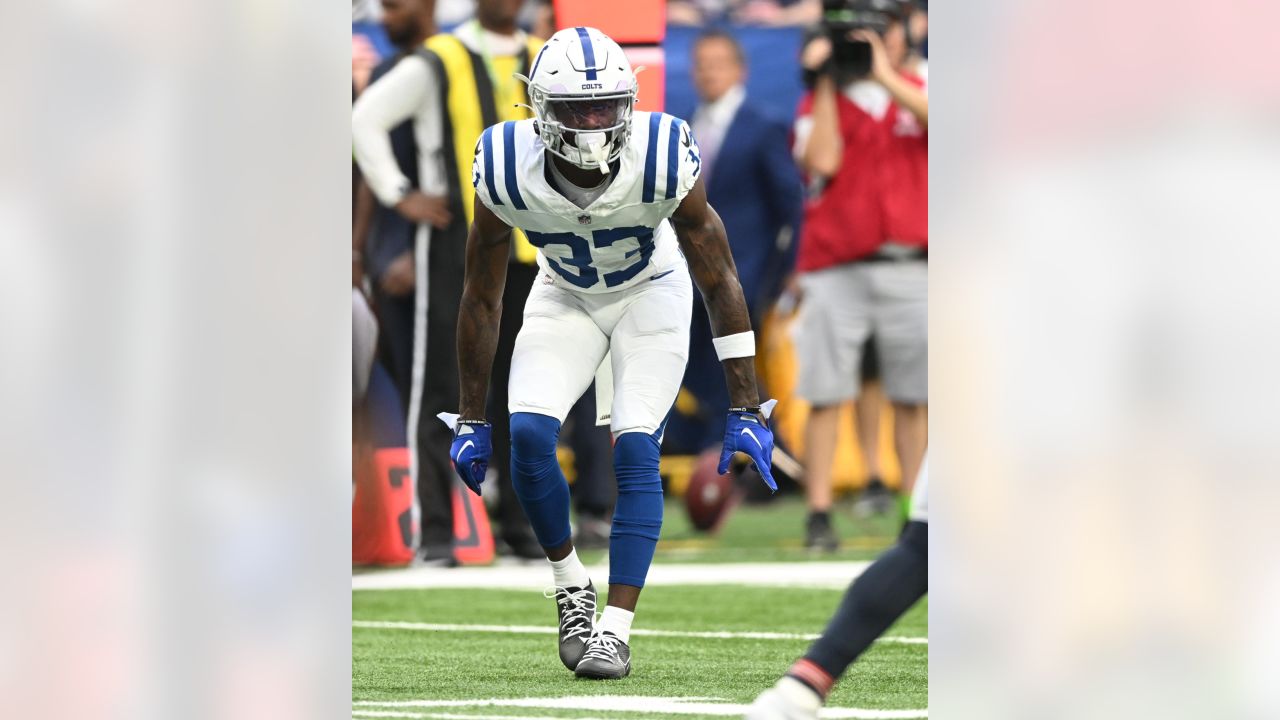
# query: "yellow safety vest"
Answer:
x=474 y=100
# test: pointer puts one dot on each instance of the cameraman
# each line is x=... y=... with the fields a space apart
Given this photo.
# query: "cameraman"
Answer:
x=861 y=138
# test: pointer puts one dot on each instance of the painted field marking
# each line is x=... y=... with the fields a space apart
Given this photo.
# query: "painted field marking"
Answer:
x=821 y=574
x=452 y=715
x=549 y=630
x=609 y=704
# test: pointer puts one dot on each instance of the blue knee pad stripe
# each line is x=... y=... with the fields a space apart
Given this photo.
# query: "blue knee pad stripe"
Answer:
x=637 y=517
x=537 y=479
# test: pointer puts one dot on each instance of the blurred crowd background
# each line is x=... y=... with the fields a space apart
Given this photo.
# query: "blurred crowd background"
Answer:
x=825 y=203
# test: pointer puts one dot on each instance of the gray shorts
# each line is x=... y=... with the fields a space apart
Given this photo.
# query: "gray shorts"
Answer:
x=842 y=307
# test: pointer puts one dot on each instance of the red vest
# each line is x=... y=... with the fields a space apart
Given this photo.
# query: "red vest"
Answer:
x=881 y=191
x=904 y=177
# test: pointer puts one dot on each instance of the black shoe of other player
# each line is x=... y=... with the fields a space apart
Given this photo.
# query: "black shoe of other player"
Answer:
x=577 y=610
x=593 y=532
x=607 y=658
x=876 y=499
x=521 y=545
x=819 y=534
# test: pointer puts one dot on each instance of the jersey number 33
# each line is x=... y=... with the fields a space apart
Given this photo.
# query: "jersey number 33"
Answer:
x=583 y=274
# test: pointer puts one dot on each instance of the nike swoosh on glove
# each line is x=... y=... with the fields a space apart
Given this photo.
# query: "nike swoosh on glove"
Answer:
x=472 y=445
x=745 y=433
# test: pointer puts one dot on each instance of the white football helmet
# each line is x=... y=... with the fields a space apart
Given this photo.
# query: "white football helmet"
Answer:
x=582 y=90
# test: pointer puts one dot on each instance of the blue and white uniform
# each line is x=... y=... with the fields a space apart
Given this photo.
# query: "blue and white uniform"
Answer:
x=613 y=283
x=613 y=277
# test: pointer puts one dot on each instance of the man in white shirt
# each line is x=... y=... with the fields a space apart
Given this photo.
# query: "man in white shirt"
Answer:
x=407 y=91
x=382 y=239
x=412 y=91
x=449 y=89
x=718 y=74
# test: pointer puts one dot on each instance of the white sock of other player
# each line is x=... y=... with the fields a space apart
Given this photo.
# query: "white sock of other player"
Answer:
x=617 y=621
x=570 y=572
x=798 y=694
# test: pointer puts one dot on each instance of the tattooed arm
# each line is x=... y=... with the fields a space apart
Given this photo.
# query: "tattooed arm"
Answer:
x=480 y=314
x=702 y=238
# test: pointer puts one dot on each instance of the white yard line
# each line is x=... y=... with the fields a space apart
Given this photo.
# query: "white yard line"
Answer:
x=551 y=630
x=606 y=704
x=453 y=715
x=536 y=576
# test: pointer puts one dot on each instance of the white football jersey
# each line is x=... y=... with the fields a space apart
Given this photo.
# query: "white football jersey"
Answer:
x=623 y=237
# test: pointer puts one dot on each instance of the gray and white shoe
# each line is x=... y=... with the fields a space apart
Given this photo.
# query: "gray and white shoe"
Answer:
x=577 y=610
x=607 y=658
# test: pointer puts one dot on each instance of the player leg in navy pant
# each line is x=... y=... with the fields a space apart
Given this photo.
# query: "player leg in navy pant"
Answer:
x=878 y=597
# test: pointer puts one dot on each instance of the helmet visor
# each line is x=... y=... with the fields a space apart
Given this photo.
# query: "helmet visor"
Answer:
x=588 y=113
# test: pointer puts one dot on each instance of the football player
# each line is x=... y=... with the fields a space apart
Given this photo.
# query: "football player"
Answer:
x=878 y=597
x=612 y=200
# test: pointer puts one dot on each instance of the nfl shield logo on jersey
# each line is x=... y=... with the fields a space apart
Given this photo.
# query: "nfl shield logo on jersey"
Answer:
x=584 y=219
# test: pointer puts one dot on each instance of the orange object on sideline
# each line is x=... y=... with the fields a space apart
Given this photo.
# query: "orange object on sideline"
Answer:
x=635 y=22
x=382 y=527
x=639 y=26
x=472 y=538
x=652 y=79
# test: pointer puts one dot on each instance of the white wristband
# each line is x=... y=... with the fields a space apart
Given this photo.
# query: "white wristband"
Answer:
x=739 y=345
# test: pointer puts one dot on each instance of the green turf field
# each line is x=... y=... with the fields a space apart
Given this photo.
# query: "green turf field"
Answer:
x=510 y=669
x=773 y=532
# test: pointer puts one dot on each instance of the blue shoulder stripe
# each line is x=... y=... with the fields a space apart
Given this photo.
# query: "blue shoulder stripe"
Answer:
x=673 y=156
x=651 y=158
x=588 y=52
x=509 y=164
x=487 y=140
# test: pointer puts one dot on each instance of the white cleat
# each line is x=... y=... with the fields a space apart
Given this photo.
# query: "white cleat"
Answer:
x=790 y=699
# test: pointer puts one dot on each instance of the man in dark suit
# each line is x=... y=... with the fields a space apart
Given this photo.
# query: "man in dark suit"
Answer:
x=754 y=185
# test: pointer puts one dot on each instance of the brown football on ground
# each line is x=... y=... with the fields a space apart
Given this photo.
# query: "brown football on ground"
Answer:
x=710 y=495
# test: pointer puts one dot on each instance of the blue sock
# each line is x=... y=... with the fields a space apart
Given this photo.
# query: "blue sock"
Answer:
x=537 y=479
x=637 y=516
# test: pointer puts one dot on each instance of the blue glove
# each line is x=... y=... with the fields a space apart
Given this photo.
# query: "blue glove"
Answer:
x=745 y=432
x=470 y=451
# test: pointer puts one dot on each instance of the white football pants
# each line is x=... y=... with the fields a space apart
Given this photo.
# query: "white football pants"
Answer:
x=566 y=334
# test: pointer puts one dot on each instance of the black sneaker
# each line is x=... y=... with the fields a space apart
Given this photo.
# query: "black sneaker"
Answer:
x=607 y=658
x=437 y=555
x=819 y=535
x=876 y=499
x=523 y=546
x=577 y=610
x=593 y=532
